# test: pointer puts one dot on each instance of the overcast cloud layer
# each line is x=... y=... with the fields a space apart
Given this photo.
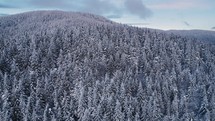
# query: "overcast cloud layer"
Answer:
x=136 y=7
x=4 y=6
x=107 y=8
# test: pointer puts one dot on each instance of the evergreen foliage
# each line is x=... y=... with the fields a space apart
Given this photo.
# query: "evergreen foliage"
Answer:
x=58 y=66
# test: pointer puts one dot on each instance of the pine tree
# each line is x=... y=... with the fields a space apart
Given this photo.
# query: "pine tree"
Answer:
x=175 y=106
x=45 y=117
x=97 y=114
x=34 y=60
x=86 y=116
x=119 y=115
x=140 y=93
x=82 y=102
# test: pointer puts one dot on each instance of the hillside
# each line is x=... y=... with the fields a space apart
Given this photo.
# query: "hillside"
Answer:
x=68 y=66
x=201 y=35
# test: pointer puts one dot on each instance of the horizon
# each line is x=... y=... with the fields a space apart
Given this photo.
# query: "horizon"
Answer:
x=165 y=15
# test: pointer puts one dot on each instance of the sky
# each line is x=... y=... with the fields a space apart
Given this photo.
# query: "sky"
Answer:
x=158 y=14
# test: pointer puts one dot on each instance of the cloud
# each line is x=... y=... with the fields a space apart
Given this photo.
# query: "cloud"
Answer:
x=181 y=5
x=48 y=3
x=213 y=28
x=137 y=7
x=186 y=23
x=108 y=8
x=112 y=10
x=5 y=6
x=100 y=7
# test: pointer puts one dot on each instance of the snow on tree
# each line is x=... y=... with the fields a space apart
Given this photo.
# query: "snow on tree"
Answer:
x=75 y=66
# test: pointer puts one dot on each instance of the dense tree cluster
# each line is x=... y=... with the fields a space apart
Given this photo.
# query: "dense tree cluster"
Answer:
x=90 y=69
x=201 y=35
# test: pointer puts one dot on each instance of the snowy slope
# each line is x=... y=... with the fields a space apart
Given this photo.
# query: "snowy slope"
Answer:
x=201 y=35
x=48 y=20
x=69 y=66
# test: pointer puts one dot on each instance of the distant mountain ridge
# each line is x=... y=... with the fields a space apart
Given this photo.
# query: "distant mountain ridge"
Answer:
x=202 y=35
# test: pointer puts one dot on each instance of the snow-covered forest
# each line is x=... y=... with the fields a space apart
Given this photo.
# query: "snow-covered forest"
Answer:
x=64 y=66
